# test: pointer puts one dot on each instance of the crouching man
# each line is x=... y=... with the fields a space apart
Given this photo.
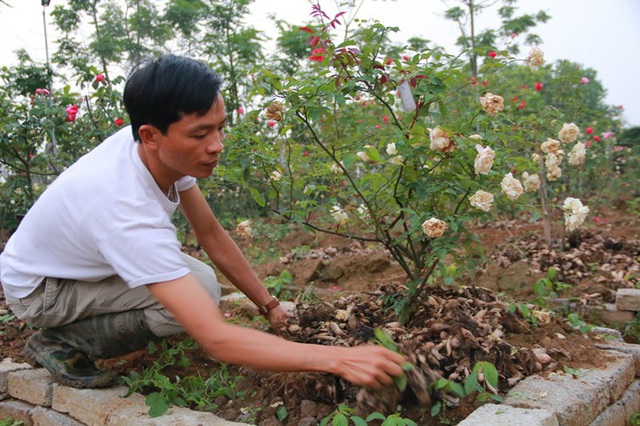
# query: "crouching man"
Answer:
x=97 y=267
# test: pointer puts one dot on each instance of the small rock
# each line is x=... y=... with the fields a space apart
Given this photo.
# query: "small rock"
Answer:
x=308 y=421
x=308 y=408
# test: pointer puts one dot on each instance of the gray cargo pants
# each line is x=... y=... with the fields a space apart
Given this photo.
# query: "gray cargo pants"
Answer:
x=57 y=302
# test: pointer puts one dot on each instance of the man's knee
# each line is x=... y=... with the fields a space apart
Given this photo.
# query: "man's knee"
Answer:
x=206 y=276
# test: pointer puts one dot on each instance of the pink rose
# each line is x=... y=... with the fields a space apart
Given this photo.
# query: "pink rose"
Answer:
x=100 y=78
x=584 y=80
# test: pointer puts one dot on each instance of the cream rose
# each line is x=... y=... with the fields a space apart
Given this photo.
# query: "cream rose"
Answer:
x=441 y=140
x=482 y=200
x=484 y=159
x=574 y=213
x=434 y=228
x=550 y=146
x=339 y=215
x=536 y=58
x=335 y=168
x=491 y=103
x=530 y=182
x=391 y=149
x=511 y=186
x=569 y=132
x=577 y=154
x=275 y=175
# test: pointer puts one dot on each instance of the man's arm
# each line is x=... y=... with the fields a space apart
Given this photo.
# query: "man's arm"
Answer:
x=222 y=250
x=195 y=309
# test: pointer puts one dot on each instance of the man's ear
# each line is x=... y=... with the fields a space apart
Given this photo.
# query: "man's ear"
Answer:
x=148 y=134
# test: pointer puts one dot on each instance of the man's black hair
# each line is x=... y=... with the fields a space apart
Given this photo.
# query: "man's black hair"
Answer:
x=159 y=92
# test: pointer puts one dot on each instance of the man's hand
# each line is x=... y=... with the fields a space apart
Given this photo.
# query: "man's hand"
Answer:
x=370 y=366
x=278 y=317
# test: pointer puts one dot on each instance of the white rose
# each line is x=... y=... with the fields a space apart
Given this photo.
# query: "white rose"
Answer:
x=511 y=186
x=440 y=140
x=397 y=160
x=335 y=168
x=339 y=215
x=391 y=149
x=275 y=175
x=574 y=213
x=434 y=228
x=363 y=156
x=530 y=182
x=482 y=200
x=569 y=132
x=577 y=154
x=484 y=159
x=550 y=146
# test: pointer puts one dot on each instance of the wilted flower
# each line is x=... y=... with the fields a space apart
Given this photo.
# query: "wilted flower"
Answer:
x=535 y=59
x=275 y=111
x=275 y=175
x=244 y=228
x=391 y=149
x=569 y=132
x=434 y=228
x=550 y=146
x=335 y=168
x=553 y=173
x=339 y=215
x=577 y=154
x=476 y=137
x=491 y=103
x=363 y=156
x=574 y=213
x=397 y=160
x=482 y=200
x=530 y=182
x=511 y=186
x=363 y=212
x=440 y=140
x=484 y=159
x=535 y=157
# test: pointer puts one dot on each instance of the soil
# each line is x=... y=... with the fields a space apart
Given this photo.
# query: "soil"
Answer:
x=341 y=289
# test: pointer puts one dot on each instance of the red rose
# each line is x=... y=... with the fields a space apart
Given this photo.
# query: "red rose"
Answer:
x=492 y=54
x=538 y=86
x=118 y=122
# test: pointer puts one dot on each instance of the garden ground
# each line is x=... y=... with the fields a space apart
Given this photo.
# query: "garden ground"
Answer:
x=339 y=286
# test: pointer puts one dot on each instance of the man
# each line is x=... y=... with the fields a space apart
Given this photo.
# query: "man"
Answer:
x=96 y=265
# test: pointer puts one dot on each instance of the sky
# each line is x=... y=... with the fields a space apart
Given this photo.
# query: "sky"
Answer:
x=600 y=34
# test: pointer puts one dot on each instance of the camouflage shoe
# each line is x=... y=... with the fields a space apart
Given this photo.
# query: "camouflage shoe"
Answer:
x=67 y=365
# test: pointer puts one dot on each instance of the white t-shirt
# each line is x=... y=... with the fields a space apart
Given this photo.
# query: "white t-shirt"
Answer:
x=103 y=216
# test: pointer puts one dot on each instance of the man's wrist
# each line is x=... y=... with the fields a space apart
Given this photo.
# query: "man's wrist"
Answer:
x=267 y=307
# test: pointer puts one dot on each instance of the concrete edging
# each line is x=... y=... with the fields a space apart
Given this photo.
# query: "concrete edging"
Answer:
x=603 y=397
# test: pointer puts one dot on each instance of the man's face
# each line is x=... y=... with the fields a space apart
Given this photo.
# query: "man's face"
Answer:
x=191 y=145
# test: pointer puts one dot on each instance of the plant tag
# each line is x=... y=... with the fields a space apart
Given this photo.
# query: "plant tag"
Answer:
x=407 y=97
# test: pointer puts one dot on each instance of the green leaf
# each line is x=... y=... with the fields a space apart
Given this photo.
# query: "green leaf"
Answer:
x=375 y=416
x=358 y=421
x=282 y=413
x=491 y=374
x=435 y=408
x=340 y=420
x=471 y=383
x=257 y=196
x=157 y=403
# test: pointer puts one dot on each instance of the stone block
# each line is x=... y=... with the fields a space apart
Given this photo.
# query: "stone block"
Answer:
x=17 y=410
x=47 y=417
x=575 y=401
x=8 y=366
x=628 y=299
x=619 y=412
x=627 y=348
x=33 y=386
x=505 y=415
x=103 y=403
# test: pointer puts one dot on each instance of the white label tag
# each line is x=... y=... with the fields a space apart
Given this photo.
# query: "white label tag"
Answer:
x=407 y=97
